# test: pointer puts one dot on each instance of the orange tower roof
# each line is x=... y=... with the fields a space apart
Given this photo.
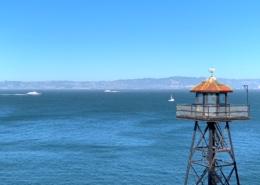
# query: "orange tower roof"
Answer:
x=211 y=84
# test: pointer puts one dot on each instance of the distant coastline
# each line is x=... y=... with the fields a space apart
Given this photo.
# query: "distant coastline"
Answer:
x=134 y=84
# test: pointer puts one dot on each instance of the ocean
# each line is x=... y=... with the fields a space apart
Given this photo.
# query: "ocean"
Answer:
x=94 y=137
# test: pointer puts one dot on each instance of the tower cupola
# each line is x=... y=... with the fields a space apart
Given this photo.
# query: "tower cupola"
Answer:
x=211 y=103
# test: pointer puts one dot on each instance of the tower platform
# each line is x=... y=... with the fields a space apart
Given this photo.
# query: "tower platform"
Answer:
x=213 y=112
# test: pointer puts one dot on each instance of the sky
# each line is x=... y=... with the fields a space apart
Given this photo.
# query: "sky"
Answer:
x=96 y=40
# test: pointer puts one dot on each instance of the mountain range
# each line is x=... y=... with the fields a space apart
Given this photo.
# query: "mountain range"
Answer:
x=176 y=82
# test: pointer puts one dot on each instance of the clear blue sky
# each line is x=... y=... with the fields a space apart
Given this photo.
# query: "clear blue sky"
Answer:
x=92 y=40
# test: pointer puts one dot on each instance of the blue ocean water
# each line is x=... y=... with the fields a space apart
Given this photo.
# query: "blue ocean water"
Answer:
x=93 y=137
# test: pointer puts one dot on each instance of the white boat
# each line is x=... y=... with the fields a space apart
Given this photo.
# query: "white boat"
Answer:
x=110 y=91
x=33 y=93
x=171 y=99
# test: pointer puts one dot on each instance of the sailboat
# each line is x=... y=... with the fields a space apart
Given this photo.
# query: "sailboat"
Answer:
x=171 y=99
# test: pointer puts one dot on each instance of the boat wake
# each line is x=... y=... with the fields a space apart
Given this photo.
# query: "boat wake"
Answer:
x=29 y=93
x=13 y=94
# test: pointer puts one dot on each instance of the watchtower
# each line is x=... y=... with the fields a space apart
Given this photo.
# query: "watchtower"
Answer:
x=212 y=157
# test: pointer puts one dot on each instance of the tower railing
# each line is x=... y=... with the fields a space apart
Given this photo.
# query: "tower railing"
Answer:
x=204 y=112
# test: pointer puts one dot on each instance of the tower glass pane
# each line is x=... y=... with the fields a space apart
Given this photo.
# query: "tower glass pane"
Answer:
x=211 y=98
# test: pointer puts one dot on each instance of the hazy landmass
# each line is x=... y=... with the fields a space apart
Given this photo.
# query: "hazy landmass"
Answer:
x=145 y=83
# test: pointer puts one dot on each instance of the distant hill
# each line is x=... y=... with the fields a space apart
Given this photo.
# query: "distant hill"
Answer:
x=145 y=83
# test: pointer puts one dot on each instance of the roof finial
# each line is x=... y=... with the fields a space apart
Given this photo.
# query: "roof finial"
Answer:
x=211 y=70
